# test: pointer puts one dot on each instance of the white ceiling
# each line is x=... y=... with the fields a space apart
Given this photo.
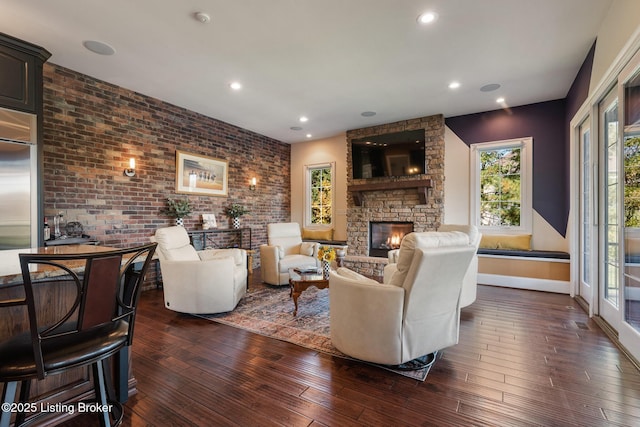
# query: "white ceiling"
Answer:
x=329 y=60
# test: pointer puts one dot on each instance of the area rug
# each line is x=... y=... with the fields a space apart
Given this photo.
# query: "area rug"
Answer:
x=269 y=312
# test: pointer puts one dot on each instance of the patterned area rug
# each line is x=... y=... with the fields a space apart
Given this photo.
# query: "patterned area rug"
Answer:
x=269 y=312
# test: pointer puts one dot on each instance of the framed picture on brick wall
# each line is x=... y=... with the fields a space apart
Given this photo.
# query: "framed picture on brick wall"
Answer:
x=196 y=174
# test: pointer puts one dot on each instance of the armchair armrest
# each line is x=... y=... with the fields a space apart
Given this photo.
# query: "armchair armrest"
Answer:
x=269 y=263
x=387 y=273
x=239 y=255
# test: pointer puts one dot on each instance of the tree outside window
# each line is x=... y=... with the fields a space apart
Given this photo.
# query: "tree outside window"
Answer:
x=321 y=195
x=632 y=182
x=501 y=182
x=500 y=190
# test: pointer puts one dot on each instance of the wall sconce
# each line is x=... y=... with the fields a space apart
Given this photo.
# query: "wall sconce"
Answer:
x=131 y=170
x=252 y=186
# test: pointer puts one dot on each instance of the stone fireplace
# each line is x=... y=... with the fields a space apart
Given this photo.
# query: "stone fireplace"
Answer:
x=413 y=199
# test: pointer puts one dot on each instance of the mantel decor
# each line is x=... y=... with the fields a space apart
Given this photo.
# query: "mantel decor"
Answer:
x=196 y=174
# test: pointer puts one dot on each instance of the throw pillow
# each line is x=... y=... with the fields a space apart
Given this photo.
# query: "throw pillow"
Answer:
x=306 y=248
x=506 y=241
x=315 y=234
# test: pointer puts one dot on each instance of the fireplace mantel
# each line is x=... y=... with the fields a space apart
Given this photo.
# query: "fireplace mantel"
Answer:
x=422 y=186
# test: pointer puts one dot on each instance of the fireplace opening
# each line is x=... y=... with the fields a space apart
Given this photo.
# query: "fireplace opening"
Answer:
x=387 y=235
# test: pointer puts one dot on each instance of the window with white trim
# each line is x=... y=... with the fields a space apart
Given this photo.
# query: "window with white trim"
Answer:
x=319 y=200
x=501 y=185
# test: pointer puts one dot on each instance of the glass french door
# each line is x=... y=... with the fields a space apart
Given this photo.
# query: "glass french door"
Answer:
x=631 y=206
x=608 y=210
x=609 y=229
x=587 y=232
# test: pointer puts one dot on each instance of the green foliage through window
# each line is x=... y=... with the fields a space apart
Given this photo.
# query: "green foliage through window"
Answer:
x=500 y=189
x=321 y=195
x=632 y=182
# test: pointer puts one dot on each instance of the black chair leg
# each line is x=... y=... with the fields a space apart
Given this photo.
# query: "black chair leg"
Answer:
x=8 y=397
x=25 y=390
x=101 y=393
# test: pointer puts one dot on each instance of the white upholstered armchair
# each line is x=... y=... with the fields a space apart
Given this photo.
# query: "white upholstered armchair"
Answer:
x=470 y=283
x=284 y=250
x=416 y=313
x=199 y=282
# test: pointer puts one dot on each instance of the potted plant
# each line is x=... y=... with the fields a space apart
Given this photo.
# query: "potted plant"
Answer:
x=235 y=211
x=178 y=209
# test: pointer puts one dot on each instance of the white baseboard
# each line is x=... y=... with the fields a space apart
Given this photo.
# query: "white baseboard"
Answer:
x=546 y=285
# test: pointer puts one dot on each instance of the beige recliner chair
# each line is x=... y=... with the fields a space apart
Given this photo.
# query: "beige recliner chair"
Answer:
x=415 y=314
x=470 y=283
x=284 y=250
x=199 y=282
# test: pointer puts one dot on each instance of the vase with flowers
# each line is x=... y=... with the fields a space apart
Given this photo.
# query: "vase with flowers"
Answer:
x=178 y=209
x=235 y=211
x=326 y=254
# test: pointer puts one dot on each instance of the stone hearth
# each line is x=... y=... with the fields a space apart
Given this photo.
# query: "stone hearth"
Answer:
x=396 y=203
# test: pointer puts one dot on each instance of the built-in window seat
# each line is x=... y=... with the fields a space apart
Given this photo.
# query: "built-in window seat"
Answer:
x=334 y=243
x=507 y=261
x=538 y=270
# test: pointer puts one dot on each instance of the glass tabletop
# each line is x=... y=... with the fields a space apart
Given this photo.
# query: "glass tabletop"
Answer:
x=305 y=274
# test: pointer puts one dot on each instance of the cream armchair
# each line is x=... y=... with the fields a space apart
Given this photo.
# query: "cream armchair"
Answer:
x=199 y=282
x=415 y=314
x=284 y=250
x=470 y=282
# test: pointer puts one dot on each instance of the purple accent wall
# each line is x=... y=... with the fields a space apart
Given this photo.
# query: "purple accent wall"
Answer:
x=545 y=122
x=548 y=124
x=579 y=90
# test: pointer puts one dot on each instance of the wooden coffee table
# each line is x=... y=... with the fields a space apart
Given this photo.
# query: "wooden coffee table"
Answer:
x=300 y=282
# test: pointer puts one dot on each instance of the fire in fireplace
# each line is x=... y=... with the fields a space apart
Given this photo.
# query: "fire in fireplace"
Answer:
x=386 y=235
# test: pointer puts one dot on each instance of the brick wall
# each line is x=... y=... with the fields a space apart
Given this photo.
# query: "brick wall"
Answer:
x=92 y=128
x=398 y=205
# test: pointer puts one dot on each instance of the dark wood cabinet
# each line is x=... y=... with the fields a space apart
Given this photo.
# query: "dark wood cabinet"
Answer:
x=21 y=74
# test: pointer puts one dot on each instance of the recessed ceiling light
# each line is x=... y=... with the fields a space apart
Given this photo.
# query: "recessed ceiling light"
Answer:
x=500 y=100
x=490 y=87
x=235 y=85
x=98 y=47
x=454 y=85
x=309 y=135
x=427 y=18
x=368 y=113
x=304 y=119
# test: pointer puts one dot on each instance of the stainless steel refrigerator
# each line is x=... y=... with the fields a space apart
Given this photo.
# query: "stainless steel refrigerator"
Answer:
x=19 y=224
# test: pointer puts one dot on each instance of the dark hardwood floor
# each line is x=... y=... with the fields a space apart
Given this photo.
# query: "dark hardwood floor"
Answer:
x=524 y=358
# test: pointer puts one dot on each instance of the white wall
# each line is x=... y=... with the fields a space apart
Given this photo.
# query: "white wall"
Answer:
x=315 y=152
x=617 y=27
x=456 y=179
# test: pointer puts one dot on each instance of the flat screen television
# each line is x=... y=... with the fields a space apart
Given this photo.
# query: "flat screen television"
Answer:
x=391 y=154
